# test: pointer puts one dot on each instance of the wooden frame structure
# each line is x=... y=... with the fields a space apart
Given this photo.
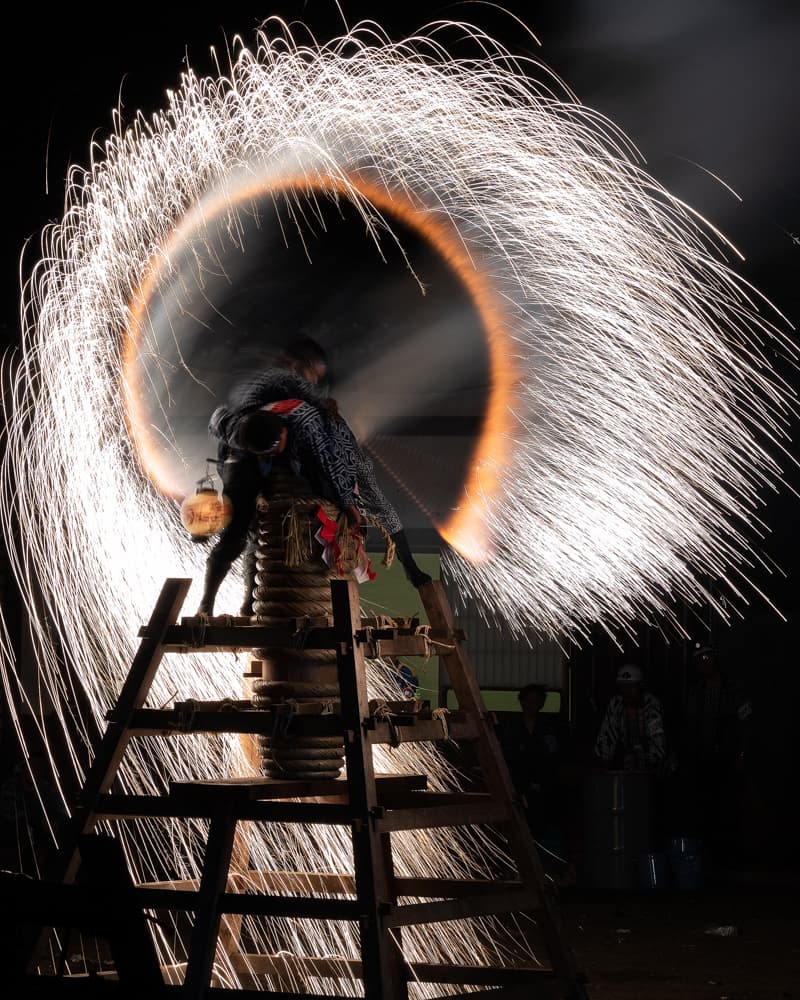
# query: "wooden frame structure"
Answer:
x=372 y=806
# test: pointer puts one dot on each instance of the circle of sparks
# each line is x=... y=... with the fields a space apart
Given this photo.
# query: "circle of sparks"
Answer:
x=622 y=454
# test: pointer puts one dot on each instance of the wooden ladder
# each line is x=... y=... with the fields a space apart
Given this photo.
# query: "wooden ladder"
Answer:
x=372 y=806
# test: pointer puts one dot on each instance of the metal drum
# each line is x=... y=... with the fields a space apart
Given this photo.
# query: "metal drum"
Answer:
x=618 y=827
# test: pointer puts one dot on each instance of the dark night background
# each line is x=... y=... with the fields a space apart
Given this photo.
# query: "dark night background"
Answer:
x=712 y=86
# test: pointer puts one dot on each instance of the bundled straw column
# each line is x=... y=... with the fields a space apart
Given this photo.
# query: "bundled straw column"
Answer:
x=293 y=582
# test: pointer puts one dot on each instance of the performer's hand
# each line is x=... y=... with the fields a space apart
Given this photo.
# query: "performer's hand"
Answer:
x=333 y=407
x=353 y=517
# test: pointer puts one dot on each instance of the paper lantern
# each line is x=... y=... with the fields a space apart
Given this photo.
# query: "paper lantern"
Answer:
x=205 y=513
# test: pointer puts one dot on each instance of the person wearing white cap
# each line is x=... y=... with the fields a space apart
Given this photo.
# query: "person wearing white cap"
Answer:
x=631 y=736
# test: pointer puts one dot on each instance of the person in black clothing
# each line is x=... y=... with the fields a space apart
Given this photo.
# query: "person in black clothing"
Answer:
x=249 y=443
x=322 y=449
x=532 y=746
x=297 y=374
x=714 y=743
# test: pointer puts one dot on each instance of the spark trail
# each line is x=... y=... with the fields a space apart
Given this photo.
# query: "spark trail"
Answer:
x=623 y=452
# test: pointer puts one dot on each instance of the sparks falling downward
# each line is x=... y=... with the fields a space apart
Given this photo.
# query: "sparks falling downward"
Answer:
x=622 y=454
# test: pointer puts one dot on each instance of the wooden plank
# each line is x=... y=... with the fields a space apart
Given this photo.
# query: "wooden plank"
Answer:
x=312 y=907
x=168 y=722
x=459 y=727
x=135 y=806
x=261 y=881
x=219 y=705
x=433 y=816
x=104 y=867
x=423 y=972
x=258 y=787
x=230 y=643
x=306 y=882
x=521 y=843
x=481 y=975
x=247 y=903
x=458 y=909
x=224 y=634
x=213 y=879
x=382 y=962
x=115 y=739
x=423 y=800
x=423 y=731
x=448 y=888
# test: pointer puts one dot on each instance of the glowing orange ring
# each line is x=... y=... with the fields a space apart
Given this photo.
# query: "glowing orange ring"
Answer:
x=464 y=529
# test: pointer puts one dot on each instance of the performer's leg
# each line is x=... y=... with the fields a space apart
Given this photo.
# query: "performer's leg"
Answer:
x=241 y=483
x=414 y=574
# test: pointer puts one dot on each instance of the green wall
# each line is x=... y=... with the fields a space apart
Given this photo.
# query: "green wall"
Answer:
x=391 y=594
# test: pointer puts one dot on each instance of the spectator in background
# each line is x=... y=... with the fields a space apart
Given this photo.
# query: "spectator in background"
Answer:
x=532 y=745
x=714 y=741
x=631 y=736
x=406 y=679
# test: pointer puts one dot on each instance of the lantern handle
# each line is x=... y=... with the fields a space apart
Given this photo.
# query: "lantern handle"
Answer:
x=206 y=482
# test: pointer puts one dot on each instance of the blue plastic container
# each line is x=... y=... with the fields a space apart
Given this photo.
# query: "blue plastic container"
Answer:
x=686 y=863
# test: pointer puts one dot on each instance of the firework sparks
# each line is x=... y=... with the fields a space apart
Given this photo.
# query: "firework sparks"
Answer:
x=622 y=453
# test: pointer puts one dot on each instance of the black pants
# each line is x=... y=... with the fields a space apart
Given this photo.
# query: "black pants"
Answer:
x=242 y=482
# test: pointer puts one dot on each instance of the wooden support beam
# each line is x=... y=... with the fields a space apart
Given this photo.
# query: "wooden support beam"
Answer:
x=115 y=739
x=436 y=816
x=213 y=879
x=168 y=722
x=198 y=637
x=373 y=806
x=423 y=972
x=382 y=961
x=457 y=726
x=523 y=900
x=103 y=866
x=460 y=729
x=121 y=807
x=87 y=987
x=328 y=882
x=482 y=975
x=426 y=800
x=521 y=843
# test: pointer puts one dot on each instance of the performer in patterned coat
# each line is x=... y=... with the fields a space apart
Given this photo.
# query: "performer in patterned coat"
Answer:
x=319 y=445
x=297 y=375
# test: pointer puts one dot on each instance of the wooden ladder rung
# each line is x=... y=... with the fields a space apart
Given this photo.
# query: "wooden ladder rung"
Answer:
x=194 y=806
x=449 y=888
x=169 y=722
x=227 y=634
x=414 y=799
x=250 y=904
x=344 y=884
x=485 y=905
x=457 y=726
x=549 y=986
x=423 y=972
x=480 y=975
x=461 y=730
x=85 y=987
x=470 y=814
